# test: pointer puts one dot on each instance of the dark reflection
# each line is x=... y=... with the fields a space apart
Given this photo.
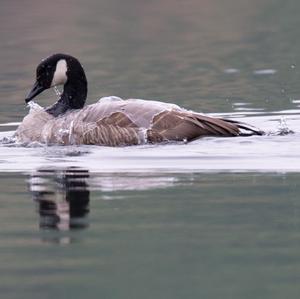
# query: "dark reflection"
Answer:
x=62 y=198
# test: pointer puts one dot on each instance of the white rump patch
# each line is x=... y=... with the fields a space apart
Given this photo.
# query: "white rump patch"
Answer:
x=60 y=74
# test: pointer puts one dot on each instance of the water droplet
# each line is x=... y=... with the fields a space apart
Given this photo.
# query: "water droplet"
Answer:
x=293 y=66
x=56 y=90
x=283 y=128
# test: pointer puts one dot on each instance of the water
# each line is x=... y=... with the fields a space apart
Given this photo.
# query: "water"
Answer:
x=218 y=217
x=168 y=236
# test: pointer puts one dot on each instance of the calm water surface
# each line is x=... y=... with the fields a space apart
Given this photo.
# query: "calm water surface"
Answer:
x=216 y=218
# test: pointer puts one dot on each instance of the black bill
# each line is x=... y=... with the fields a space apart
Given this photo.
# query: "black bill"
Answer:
x=36 y=90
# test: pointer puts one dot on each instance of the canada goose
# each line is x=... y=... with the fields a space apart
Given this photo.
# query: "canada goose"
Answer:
x=111 y=121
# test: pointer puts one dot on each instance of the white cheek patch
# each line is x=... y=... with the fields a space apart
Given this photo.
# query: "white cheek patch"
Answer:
x=60 y=74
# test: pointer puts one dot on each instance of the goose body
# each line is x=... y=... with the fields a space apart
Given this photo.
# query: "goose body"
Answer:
x=111 y=121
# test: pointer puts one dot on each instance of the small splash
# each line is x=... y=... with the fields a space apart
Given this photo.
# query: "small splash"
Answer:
x=33 y=106
x=8 y=141
x=283 y=128
x=57 y=91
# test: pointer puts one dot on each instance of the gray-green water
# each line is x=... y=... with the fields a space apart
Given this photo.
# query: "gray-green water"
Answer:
x=197 y=235
x=216 y=218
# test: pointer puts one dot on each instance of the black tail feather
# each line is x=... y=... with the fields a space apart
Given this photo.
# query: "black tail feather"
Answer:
x=249 y=130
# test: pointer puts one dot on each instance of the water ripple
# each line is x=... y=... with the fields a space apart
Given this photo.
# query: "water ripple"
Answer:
x=278 y=150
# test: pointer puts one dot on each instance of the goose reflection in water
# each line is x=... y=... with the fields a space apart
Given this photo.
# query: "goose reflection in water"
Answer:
x=62 y=198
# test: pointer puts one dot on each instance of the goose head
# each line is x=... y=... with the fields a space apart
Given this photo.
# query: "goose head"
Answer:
x=61 y=69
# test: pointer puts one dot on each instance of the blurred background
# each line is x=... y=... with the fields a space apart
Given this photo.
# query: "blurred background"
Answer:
x=205 y=55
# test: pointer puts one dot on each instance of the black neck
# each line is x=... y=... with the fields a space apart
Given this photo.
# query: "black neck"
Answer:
x=73 y=96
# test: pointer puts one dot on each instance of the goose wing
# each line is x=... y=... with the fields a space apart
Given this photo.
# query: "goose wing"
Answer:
x=184 y=125
x=151 y=121
x=116 y=129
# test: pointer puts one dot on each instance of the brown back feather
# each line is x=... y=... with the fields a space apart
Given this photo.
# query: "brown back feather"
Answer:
x=177 y=125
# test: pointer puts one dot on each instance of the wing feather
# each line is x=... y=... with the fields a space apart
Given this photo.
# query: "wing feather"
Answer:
x=177 y=125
